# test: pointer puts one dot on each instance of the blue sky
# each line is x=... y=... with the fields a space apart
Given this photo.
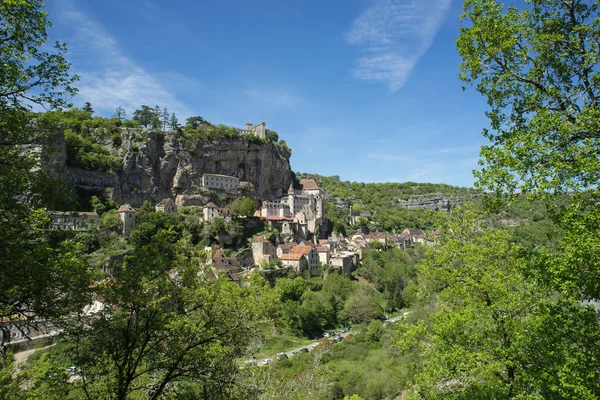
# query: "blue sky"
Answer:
x=366 y=90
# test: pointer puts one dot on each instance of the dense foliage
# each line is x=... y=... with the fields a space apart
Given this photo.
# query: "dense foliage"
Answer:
x=383 y=201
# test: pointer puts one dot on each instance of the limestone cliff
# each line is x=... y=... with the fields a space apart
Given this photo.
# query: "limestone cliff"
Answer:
x=433 y=201
x=158 y=164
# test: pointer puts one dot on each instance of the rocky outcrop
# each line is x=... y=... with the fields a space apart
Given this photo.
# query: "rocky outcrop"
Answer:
x=157 y=165
x=434 y=201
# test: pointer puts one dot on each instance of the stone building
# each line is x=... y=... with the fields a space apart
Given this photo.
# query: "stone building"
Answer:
x=303 y=206
x=259 y=130
x=167 y=206
x=262 y=250
x=296 y=262
x=323 y=252
x=311 y=256
x=223 y=182
x=72 y=221
x=127 y=219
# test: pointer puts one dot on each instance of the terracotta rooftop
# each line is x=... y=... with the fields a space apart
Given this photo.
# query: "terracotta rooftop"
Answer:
x=302 y=250
x=125 y=208
x=291 y=257
x=308 y=184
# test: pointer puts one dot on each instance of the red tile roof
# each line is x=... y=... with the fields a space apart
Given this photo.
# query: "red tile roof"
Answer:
x=291 y=257
x=125 y=208
x=308 y=184
x=303 y=250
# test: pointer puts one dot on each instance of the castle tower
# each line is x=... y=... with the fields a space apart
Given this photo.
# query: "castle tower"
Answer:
x=260 y=130
x=127 y=218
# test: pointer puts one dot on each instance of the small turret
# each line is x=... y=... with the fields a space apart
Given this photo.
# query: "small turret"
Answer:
x=127 y=218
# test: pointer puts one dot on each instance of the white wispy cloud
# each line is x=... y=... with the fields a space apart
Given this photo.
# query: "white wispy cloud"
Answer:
x=393 y=35
x=108 y=78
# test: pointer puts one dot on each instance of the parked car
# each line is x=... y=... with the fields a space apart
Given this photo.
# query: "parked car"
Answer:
x=348 y=336
x=337 y=339
x=327 y=334
x=293 y=353
x=267 y=361
x=303 y=350
x=282 y=356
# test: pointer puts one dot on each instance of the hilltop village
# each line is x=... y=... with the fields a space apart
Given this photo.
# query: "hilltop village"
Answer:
x=297 y=217
x=280 y=231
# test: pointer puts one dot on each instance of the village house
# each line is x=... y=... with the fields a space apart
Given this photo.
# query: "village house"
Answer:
x=72 y=220
x=223 y=182
x=345 y=261
x=311 y=255
x=222 y=265
x=262 y=250
x=167 y=206
x=411 y=236
x=295 y=262
x=285 y=249
x=323 y=252
x=210 y=211
x=127 y=219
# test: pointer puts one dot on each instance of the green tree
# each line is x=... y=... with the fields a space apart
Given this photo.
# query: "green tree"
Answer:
x=362 y=305
x=87 y=107
x=165 y=117
x=174 y=123
x=144 y=115
x=375 y=331
x=493 y=332
x=194 y=122
x=35 y=276
x=155 y=122
x=120 y=113
x=247 y=208
x=537 y=67
x=166 y=329
x=9 y=387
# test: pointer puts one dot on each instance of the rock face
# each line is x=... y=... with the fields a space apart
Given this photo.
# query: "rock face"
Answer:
x=161 y=165
x=434 y=201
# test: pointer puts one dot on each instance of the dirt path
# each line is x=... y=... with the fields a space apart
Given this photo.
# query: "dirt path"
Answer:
x=22 y=355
